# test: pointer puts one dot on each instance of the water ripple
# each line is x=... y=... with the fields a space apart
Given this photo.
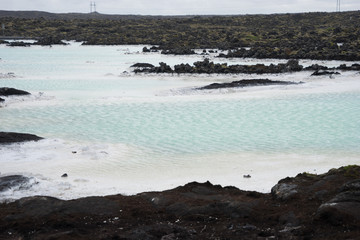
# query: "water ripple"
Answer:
x=319 y=121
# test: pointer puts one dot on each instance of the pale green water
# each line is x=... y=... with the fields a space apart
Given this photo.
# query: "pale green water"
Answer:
x=135 y=133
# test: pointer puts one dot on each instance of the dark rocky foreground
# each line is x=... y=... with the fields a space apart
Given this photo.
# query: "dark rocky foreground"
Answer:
x=247 y=83
x=11 y=137
x=308 y=206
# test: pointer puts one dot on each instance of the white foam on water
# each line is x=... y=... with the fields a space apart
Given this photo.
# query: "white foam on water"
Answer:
x=26 y=100
x=47 y=160
x=7 y=75
x=167 y=88
x=106 y=169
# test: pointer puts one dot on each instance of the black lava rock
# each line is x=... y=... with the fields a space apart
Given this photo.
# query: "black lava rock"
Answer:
x=11 y=137
x=12 y=91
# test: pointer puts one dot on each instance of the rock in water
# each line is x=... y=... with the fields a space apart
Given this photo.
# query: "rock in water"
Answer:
x=246 y=83
x=12 y=91
x=18 y=44
x=323 y=72
x=14 y=181
x=143 y=65
x=11 y=137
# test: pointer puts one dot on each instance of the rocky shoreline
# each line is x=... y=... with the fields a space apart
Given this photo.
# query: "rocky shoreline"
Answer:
x=308 y=206
x=44 y=41
x=208 y=67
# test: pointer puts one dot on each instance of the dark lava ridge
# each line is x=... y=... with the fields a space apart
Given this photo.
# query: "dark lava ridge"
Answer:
x=246 y=83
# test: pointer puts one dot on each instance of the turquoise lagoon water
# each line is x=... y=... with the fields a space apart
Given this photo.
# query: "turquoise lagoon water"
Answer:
x=307 y=123
x=130 y=133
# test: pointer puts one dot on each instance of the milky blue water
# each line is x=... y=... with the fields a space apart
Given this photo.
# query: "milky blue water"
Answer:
x=304 y=123
x=88 y=96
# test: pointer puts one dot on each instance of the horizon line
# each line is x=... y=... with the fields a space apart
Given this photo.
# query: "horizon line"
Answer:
x=176 y=15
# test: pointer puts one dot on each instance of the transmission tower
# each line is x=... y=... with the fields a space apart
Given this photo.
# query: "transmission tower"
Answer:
x=92 y=7
x=338 y=6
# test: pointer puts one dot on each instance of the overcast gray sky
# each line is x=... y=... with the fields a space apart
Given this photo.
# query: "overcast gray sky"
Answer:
x=181 y=7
